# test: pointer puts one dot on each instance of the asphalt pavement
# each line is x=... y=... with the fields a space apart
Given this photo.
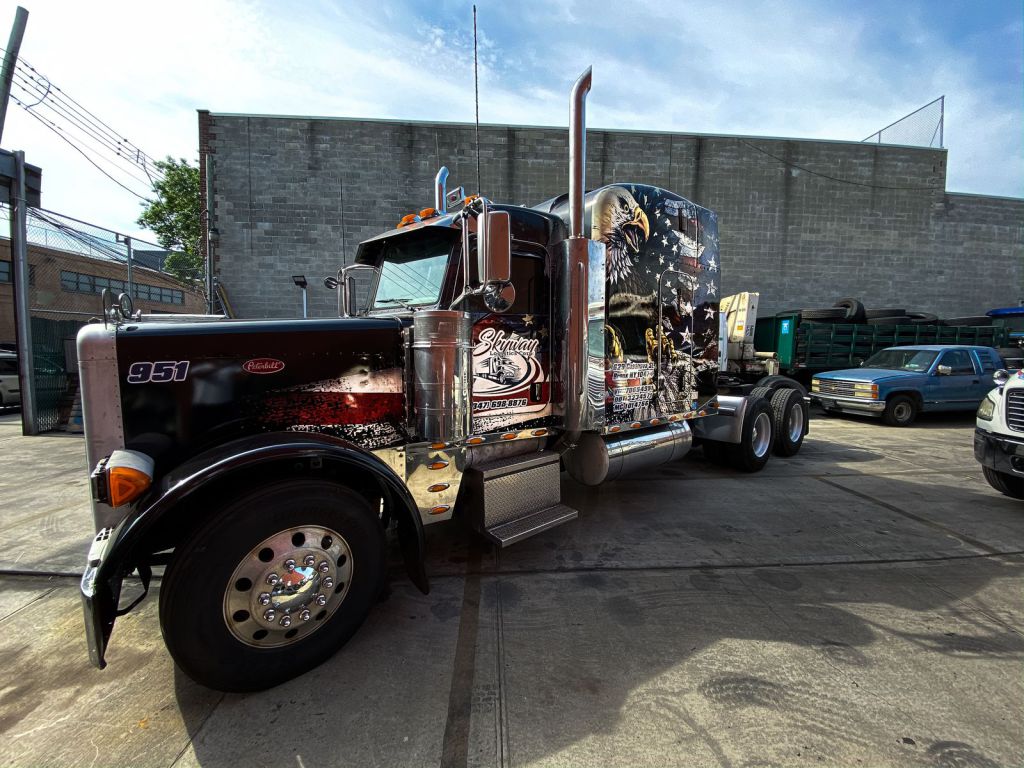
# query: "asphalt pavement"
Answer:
x=859 y=604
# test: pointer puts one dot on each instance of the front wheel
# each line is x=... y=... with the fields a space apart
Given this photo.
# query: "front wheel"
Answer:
x=277 y=581
x=900 y=411
x=1008 y=485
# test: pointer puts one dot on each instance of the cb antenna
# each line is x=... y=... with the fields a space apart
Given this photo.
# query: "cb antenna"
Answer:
x=476 y=99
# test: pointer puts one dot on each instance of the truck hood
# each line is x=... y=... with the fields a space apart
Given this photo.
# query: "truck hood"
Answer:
x=187 y=387
x=869 y=375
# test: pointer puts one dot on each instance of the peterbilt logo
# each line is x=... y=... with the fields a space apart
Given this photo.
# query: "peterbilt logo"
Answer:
x=263 y=365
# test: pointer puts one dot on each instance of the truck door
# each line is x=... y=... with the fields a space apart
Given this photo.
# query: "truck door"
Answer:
x=512 y=354
x=956 y=390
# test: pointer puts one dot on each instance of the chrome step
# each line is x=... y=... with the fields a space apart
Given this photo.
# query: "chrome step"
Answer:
x=513 y=498
x=525 y=527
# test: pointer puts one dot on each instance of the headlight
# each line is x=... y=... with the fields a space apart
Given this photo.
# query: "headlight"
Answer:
x=815 y=385
x=865 y=390
x=987 y=408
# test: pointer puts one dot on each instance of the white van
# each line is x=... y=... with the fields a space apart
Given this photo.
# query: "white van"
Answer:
x=10 y=389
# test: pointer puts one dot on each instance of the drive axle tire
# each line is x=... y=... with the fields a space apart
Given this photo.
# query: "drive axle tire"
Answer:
x=273 y=585
x=1008 y=485
x=756 y=439
x=900 y=411
x=789 y=420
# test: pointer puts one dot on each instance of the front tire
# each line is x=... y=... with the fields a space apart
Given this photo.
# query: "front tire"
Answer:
x=900 y=411
x=273 y=585
x=1008 y=485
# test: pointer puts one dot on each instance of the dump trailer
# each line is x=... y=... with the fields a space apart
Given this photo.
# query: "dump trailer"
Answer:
x=805 y=347
x=262 y=462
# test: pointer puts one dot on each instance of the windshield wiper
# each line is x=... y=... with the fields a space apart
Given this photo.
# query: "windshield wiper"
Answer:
x=404 y=302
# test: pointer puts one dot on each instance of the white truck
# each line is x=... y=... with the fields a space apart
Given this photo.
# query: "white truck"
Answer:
x=999 y=435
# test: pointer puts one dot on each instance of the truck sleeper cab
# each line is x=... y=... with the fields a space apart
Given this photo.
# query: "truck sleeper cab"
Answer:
x=262 y=461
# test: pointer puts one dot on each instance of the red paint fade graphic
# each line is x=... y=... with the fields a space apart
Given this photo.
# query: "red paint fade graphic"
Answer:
x=332 y=408
x=263 y=365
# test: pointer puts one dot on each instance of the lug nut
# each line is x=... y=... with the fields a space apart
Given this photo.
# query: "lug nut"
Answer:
x=304 y=615
x=264 y=598
x=273 y=579
x=309 y=561
x=286 y=621
x=321 y=599
x=270 y=614
x=328 y=582
x=324 y=566
x=289 y=564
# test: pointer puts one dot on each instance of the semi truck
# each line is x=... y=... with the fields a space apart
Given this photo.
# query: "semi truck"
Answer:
x=262 y=462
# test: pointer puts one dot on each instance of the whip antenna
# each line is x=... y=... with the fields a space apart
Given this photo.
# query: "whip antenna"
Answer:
x=476 y=99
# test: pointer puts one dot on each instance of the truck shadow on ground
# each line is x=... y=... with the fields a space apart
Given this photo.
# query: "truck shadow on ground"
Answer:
x=659 y=616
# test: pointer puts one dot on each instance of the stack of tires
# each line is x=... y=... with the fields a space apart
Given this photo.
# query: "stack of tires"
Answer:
x=849 y=310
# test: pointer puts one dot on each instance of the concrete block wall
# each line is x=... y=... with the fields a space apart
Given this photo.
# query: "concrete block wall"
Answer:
x=803 y=222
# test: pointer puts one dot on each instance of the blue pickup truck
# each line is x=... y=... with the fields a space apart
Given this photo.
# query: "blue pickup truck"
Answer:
x=900 y=382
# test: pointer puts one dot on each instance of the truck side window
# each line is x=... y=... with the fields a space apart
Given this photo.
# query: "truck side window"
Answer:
x=959 y=360
x=532 y=287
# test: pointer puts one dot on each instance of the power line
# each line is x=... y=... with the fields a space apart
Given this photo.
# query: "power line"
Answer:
x=78 y=150
x=789 y=164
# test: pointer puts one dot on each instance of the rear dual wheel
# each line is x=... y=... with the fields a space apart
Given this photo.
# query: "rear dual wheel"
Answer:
x=273 y=585
x=789 y=418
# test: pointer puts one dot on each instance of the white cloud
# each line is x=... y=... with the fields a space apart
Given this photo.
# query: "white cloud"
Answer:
x=790 y=69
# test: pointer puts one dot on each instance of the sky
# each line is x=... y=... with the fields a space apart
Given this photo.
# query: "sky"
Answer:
x=803 y=68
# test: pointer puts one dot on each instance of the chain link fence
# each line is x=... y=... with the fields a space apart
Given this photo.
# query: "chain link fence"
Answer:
x=921 y=128
x=71 y=262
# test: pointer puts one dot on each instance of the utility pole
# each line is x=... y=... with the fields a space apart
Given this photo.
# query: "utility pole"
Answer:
x=10 y=61
x=209 y=235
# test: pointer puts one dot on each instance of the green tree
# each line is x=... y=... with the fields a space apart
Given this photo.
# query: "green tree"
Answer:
x=175 y=217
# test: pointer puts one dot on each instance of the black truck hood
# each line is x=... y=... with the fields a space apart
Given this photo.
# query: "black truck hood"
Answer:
x=187 y=387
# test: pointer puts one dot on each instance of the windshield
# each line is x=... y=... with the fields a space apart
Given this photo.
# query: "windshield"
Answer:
x=413 y=269
x=902 y=360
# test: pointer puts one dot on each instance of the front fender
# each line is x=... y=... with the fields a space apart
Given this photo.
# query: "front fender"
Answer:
x=118 y=552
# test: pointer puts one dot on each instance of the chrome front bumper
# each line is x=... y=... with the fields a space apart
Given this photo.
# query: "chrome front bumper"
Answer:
x=854 y=404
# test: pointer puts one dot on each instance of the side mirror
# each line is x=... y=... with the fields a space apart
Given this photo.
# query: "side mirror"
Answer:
x=493 y=247
x=944 y=370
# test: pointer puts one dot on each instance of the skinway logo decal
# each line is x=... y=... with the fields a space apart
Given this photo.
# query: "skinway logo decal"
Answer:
x=263 y=365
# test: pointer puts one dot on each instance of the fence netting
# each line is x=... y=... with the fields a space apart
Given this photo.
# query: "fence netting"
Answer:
x=921 y=128
x=71 y=262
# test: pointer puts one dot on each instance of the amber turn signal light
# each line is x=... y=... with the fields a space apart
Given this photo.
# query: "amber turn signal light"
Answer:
x=129 y=475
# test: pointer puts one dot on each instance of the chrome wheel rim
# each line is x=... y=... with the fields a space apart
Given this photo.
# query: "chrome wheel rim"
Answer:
x=761 y=435
x=288 y=586
x=796 y=422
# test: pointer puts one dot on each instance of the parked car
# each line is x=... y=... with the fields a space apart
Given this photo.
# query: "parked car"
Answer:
x=999 y=435
x=899 y=382
x=10 y=389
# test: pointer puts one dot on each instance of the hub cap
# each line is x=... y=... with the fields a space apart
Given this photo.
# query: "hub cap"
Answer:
x=796 y=423
x=761 y=435
x=901 y=412
x=288 y=586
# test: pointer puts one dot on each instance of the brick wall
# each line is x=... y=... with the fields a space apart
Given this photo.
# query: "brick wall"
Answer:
x=803 y=222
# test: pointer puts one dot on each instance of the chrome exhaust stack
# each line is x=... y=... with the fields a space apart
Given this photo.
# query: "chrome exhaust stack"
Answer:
x=441 y=190
x=581 y=283
x=578 y=151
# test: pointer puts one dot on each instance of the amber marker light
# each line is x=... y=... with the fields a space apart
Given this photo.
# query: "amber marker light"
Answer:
x=438 y=446
x=129 y=475
x=439 y=510
x=655 y=422
x=636 y=425
x=509 y=436
x=438 y=487
x=437 y=465
x=408 y=219
x=428 y=213
x=674 y=417
x=539 y=432
x=475 y=440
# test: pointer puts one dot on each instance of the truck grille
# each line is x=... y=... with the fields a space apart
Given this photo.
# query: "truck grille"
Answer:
x=1015 y=409
x=832 y=387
